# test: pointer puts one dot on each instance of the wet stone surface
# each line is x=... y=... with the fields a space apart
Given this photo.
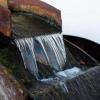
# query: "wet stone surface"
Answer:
x=9 y=88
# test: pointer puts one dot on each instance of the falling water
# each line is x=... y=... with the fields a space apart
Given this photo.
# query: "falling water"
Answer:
x=54 y=50
x=49 y=50
x=26 y=46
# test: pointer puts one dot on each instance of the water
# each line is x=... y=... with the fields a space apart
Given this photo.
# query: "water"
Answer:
x=26 y=46
x=48 y=50
x=69 y=73
x=54 y=50
x=83 y=87
x=60 y=79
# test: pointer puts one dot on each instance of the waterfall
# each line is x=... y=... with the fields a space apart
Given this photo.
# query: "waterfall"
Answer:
x=54 y=50
x=26 y=47
x=48 y=50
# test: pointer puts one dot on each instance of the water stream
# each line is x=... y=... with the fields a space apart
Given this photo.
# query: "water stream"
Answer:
x=48 y=50
x=54 y=50
x=26 y=46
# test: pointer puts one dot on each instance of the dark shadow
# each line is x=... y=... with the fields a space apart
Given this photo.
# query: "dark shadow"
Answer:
x=90 y=47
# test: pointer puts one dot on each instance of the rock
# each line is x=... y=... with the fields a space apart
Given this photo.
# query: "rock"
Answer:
x=40 y=17
x=37 y=7
x=9 y=88
x=25 y=25
x=5 y=22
